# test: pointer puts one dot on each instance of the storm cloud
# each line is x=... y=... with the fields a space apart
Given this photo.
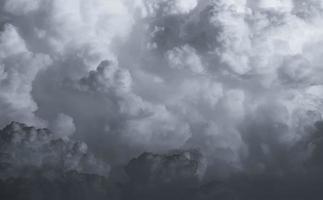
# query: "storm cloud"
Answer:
x=240 y=81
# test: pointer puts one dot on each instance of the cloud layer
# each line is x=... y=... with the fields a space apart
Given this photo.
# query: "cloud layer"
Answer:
x=241 y=80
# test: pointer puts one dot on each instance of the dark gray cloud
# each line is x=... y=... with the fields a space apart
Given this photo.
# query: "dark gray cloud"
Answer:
x=25 y=150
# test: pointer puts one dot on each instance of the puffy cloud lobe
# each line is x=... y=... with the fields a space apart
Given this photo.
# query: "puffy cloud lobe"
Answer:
x=107 y=77
x=166 y=7
x=185 y=57
x=275 y=5
x=18 y=69
x=94 y=20
x=63 y=126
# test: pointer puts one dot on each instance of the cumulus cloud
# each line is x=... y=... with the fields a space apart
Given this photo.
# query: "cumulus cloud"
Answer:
x=18 y=69
x=63 y=126
x=24 y=149
x=239 y=79
x=177 y=167
x=185 y=57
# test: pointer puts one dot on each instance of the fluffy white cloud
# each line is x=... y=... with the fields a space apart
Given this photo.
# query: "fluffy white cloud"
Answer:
x=185 y=58
x=275 y=5
x=18 y=69
x=165 y=7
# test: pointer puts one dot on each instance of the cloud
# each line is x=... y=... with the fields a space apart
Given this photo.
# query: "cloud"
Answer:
x=144 y=123
x=185 y=57
x=21 y=7
x=18 y=69
x=165 y=7
x=64 y=126
x=24 y=149
x=240 y=80
x=177 y=167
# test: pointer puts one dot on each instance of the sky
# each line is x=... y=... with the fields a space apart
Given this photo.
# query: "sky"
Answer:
x=239 y=80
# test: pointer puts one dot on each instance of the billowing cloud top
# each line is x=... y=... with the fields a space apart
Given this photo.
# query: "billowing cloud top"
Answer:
x=241 y=80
